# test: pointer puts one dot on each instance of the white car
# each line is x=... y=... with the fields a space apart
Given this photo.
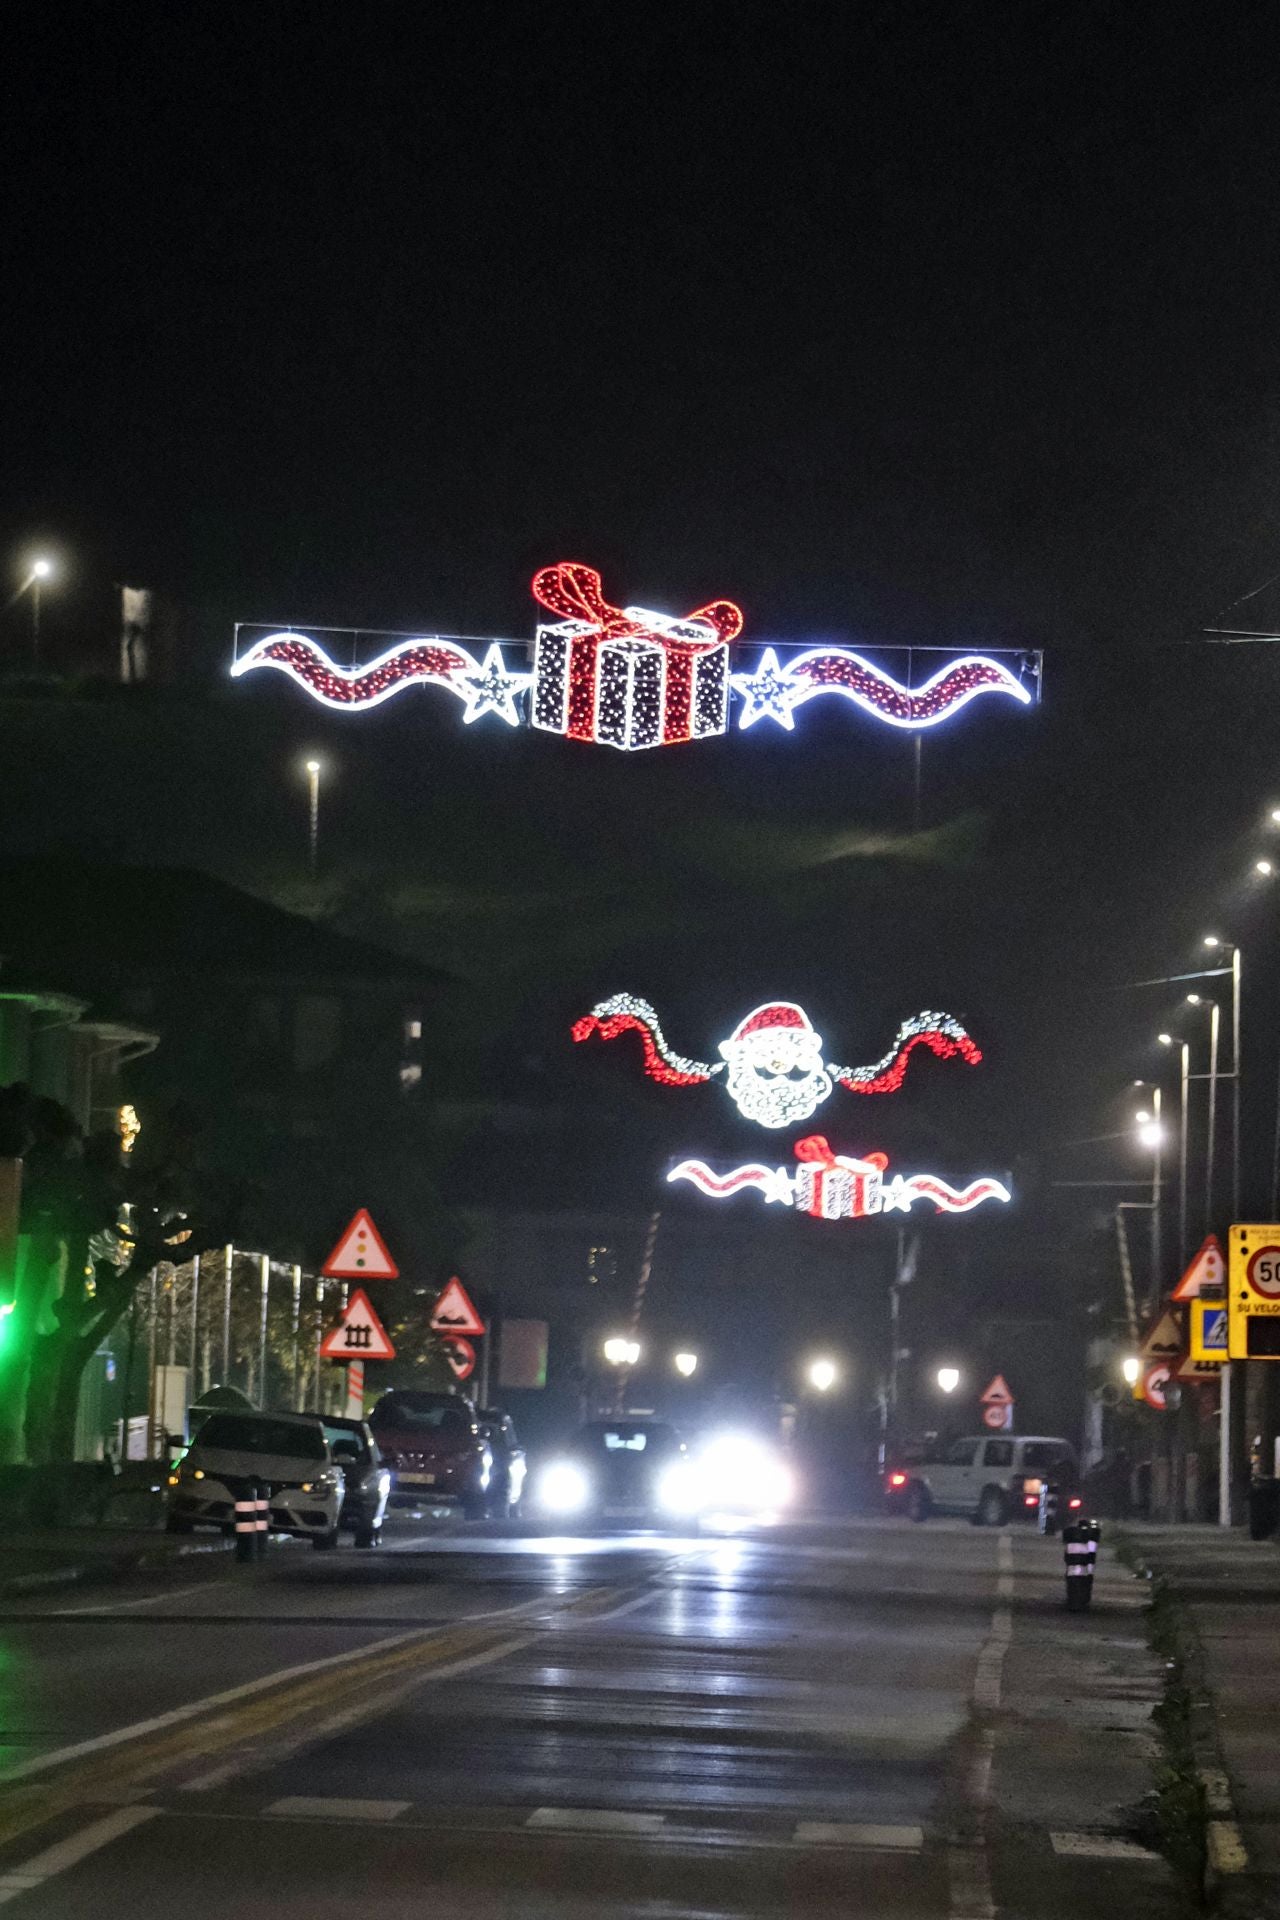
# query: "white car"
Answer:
x=990 y=1478
x=285 y=1452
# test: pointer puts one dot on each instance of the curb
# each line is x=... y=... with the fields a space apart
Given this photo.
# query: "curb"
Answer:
x=1226 y=1874
x=111 y=1567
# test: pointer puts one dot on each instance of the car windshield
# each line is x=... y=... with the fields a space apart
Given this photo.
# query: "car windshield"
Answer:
x=628 y=1437
x=240 y=1433
x=415 y=1413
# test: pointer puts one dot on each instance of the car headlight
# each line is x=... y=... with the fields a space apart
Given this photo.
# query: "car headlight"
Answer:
x=563 y=1488
x=738 y=1471
x=678 y=1489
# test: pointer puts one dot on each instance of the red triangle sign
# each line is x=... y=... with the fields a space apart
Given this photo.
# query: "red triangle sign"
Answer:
x=361 y=1254
x=359 y=1335
x=997 y=1394
x=1206 y=1274
x=454 y=1312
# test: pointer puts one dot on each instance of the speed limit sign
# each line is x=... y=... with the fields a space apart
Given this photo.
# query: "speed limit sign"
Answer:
x=1263 y=1272
x=1253 y=1293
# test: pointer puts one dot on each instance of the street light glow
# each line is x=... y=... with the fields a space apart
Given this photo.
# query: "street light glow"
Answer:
x=1165 y=1039
x=1151 y=1134
x=823 y=1375
x=1193 y=1000
x=687 y=1364
x=1264 y=867
x=1131 y=1367
x=313 y=766
x=621 y=1352
x=1275 y=816
x=41 y=569
x=948 y=1378
x=1212 y=940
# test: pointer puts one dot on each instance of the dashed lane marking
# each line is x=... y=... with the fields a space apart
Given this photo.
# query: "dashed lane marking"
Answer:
x=846 y=1833
x=302 y=1806
x=593 y=1820
x=1226 y=1847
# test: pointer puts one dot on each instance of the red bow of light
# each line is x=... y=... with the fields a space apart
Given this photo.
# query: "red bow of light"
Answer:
x=816 y=1149
x=576 y=592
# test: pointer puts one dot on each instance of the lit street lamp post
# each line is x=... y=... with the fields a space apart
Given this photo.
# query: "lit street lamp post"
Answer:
x=948 y=1378
x=1215 y=1022
x=1184 y=1048
x=1151 y=1134
x=313 y=812
x=686 y=1364
x=822 y=1375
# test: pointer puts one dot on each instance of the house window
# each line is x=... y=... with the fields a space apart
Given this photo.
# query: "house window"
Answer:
x=317 y=1031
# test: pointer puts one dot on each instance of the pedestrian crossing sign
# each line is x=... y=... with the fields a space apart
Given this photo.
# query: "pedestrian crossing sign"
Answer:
x=1208 y=1330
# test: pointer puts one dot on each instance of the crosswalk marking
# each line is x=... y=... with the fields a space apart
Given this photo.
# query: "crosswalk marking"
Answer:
x=594 y=1820
x=845 y=1833
x=1101 y=1846
x=301 y=1806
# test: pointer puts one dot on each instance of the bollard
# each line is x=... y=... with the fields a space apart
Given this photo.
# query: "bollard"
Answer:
x=261 y=1521
x=246 y=1522
x=1080 y=1551
x=1047 y=1513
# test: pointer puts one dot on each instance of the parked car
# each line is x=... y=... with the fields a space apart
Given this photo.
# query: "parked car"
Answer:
x=285 y=1452
x=433 y=1443
x=506 y=1482
x=367 y=1480
x=628 y=1469
x=988 y=1477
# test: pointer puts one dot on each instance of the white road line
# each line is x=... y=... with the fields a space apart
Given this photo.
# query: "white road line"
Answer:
x=839 y=1833
x=968 y=1864
x=970 y=1884
x=593 y=1820
x=627 y=1606
x=122 y=1606
x=68 y=1853
x=1102 y=1846
x=301 y=1806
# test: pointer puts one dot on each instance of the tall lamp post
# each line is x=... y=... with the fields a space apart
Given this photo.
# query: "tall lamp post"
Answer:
x=1215 y=1022
x=313 y=816
x=1184 y=1076
x=1215 y=945
x=1151 y=1135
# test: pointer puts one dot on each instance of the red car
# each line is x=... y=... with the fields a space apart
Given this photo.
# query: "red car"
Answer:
x=435 y=1446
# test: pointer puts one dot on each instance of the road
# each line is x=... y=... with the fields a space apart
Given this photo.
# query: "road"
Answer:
x=854 y=1719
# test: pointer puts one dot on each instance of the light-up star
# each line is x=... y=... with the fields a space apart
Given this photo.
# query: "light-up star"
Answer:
x=770 y=693
x=492 y=689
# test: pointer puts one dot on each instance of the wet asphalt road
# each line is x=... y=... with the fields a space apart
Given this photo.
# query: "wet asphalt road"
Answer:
x=848 y=1719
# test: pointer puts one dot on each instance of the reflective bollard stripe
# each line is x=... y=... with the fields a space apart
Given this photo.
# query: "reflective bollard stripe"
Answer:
x=262 y=1513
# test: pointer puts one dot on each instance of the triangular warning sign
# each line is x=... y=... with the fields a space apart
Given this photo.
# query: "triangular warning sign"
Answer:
x=997 y=1394
x=1165 y=1340
x=359 y=1335
x=1206 y=1274
x=361 y=1254
x=454 y=1312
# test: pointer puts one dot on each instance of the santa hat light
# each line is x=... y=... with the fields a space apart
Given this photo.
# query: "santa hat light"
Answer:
x=777 y=1017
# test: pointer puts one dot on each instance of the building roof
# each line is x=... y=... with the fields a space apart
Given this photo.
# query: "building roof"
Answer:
x=83 y=925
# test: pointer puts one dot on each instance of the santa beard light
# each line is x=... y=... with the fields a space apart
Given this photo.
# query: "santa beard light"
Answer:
x=772 y=1063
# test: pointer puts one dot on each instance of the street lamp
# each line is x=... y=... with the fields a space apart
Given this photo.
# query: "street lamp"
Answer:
x=1131 y=1367
x=1184 y=1079
x=313 y=770
x=619 y=1351
x=1215 y=1022
x=948 y=1378
x=686 y=1364
x=823 y=1375
x=1151 y=1136
x=41 y=569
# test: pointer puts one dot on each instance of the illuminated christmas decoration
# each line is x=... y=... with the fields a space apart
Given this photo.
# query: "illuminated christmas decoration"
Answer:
x=436 y=662
x=129 y=1127
x=632 y=678
x=773 y=692
x=833 y=1186
x=623 y=676
x=772 y=1063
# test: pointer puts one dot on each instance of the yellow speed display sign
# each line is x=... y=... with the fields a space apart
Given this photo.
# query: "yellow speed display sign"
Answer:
x=1253 y=1293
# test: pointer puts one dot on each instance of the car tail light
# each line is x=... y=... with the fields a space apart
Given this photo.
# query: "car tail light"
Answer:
x=1031 y=1500
x=897 y=1479
x=1075 y=1502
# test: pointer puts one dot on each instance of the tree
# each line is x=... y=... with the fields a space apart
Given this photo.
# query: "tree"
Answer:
x=91 y=1225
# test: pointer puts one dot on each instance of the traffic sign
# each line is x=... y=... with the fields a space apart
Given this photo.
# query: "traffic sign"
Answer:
x=361 y=1254
x=1208 y=1330
x=1164 y=1342
x=998 y=1416
x=461 y=1356
x=1207 y=1372
x=997 y=1394
x=1253 y=1293
x=454 y=1312
x=359 y=1335
x=1156 y=1379
x=1206 y=1274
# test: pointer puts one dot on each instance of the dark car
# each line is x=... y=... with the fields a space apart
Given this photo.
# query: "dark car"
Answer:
x=433 y=1443
x=628 y=1469
x=366 y=1478
x=506 y=1482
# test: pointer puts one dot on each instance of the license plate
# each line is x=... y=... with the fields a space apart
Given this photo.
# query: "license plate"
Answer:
x=417 y=1479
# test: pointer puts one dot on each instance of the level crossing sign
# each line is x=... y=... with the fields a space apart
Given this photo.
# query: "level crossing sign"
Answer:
x=359 y=1335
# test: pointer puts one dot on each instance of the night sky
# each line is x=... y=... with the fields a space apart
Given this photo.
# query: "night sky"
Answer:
x=894 y=323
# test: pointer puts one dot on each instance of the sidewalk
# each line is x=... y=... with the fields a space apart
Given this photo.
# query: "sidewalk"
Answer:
x=31 y=1559
x=1230 y=1587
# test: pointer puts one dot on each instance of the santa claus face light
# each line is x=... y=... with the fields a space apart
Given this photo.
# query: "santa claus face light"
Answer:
x=775 y=1073
x=772 y=1063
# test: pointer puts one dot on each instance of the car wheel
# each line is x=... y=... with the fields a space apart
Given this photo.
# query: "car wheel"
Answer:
x=325 y=1542
x=918 y=1504
x=992 y=1509
x=368 y=1536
